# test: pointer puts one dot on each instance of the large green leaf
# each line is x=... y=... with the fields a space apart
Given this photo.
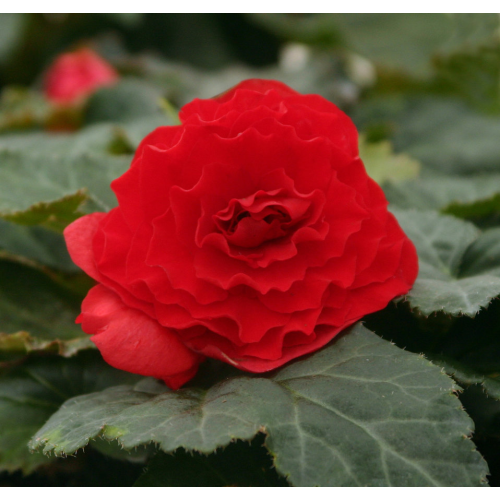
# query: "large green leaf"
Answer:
x=49 y=189
x=33 y=391
x=36 y=313
x=359 y=412
x=442 y=242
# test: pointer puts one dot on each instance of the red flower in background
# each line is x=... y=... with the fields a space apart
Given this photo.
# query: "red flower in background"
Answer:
x=250 y=233
x=75 y=75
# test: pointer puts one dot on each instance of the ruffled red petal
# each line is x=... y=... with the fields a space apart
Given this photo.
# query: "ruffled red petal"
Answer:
x=251 y=233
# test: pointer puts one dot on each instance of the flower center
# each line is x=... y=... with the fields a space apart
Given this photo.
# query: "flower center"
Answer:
x=252 y=221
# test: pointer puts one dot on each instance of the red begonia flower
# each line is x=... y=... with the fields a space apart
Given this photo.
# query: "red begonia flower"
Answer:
x=250 y=233
x=75 y=75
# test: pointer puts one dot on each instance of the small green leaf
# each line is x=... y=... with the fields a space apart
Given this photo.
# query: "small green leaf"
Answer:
x=32 y=392
x=359 y=412
x=383 y=165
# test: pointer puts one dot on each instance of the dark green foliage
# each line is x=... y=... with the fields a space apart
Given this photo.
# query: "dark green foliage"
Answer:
x=423 y=91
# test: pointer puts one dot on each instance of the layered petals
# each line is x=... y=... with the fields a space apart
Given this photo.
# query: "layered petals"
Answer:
x=250 y=233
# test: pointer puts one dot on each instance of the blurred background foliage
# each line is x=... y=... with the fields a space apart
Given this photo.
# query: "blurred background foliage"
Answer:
x=424 y=91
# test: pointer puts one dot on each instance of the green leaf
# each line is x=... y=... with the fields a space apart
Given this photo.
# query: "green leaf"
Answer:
x=49 y=189
x=464 y=296
x=441 y=243
x=31 y=302
x=240 y=464
x=466 y=197
x=383 y=165
x=359 y=412
x=32 y=392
